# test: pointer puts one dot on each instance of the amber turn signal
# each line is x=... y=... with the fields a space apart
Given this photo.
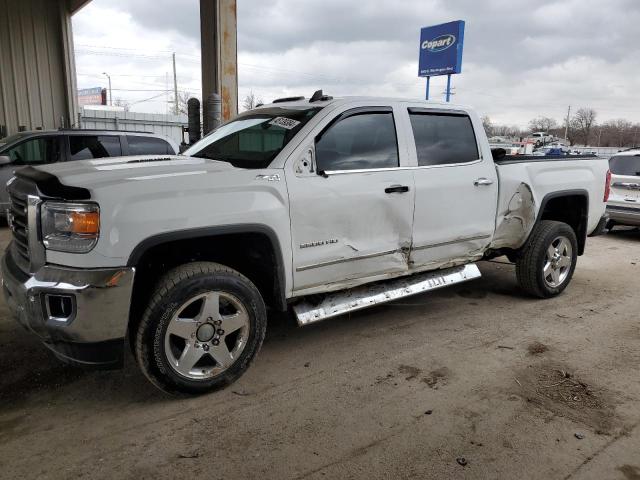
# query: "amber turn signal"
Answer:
x=85 y=222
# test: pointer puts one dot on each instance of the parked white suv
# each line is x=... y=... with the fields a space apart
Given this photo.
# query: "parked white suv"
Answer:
x=623 y=207
x=323 y=205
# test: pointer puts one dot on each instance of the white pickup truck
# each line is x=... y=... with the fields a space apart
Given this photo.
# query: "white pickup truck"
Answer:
x=321 y=206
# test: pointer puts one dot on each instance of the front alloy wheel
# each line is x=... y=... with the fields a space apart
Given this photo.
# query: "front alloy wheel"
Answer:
x=206 y=335
x=203 y=326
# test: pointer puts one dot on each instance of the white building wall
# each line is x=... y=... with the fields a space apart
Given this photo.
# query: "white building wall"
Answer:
x=169 y=125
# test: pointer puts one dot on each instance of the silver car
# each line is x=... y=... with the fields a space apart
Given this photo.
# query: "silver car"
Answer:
x=42 y=147
x=623 y=206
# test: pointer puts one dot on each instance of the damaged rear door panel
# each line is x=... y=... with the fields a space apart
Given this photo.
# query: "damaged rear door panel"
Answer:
x=456 y=188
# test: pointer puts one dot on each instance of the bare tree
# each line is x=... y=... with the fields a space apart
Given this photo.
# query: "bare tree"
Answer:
x=542 y=124
x=251 y=101
x=582 y=122
x=183 y=100
x=617 y=133
x=506 y=131
x=120 y=102
x=488 y=126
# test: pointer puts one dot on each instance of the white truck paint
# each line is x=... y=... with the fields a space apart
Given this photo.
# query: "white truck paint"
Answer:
x=330 y=230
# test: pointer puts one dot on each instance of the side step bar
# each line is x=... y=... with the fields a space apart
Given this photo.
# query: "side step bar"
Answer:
x=342 y=302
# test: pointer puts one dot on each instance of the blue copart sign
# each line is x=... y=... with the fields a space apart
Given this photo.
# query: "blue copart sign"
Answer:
x=441 y=49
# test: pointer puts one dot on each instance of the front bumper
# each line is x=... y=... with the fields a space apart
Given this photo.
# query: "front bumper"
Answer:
x=624 y=215
x=91 y=328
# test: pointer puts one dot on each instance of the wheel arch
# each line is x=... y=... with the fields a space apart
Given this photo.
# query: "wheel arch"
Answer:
x=570 y=207
x=252 y=249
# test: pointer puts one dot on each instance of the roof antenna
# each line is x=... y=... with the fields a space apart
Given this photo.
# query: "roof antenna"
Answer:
x=319 y=96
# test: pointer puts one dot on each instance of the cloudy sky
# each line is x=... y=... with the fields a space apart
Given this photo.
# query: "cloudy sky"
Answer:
x=522 y=58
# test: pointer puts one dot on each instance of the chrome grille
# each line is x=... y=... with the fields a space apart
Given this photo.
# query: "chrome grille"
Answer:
x=18 y=222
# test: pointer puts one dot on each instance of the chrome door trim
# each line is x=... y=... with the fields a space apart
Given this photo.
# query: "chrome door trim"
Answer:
x=451 y=242
x=393 y=169
x=344 y=260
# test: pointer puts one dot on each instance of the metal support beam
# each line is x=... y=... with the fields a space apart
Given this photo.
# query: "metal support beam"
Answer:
x=219 y=43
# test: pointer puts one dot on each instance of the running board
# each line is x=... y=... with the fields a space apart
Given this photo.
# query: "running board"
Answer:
x=342 y=302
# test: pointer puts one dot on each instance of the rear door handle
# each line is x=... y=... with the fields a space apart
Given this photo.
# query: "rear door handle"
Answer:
x=483 y=182
x=396 y=189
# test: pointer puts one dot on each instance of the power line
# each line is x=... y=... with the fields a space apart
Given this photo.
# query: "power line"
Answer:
x=122 y=55
x=121 y=48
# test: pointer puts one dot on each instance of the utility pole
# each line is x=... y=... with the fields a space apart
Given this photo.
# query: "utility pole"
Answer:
x=110 y=93
x=566 y=127
x=166 y=93
x=175 y=85
x=599 y=135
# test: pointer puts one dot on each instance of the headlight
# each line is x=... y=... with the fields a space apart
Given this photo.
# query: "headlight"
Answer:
x=70 y=227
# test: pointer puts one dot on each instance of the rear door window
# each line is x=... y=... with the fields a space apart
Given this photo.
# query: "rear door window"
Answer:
x=148 y=146
x=625 y=165
x=35 y=151
x=443 y=139
x=86 y=147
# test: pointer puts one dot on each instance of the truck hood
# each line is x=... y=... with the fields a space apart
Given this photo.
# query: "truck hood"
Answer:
x=104 y=172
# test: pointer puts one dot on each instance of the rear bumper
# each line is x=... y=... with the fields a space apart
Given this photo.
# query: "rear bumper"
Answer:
x=624 y=215
x=91 y=328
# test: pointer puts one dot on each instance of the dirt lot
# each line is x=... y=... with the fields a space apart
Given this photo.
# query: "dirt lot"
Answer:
x=469 y=382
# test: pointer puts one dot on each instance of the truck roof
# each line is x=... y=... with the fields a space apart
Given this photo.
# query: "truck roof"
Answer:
x=304 y=102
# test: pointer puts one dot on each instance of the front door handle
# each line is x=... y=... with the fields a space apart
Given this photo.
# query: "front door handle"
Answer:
x=396 y=189
x=483 y=182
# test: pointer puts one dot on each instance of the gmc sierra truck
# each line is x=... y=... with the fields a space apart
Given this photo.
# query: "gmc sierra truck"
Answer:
x=320 y=207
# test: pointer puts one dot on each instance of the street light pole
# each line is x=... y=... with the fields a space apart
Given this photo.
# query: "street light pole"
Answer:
x=110 y=93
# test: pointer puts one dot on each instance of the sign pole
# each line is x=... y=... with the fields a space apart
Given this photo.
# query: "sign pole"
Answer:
x=448 y=88
x=428 y=81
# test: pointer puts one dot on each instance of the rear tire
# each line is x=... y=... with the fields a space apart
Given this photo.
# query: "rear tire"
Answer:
x=203 y=326
x=547 y=262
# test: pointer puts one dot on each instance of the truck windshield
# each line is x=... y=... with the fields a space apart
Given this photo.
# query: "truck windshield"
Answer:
x=625 y=165
x=254 y=138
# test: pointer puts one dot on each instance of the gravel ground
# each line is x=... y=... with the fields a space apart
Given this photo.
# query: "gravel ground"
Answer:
x=475 y=381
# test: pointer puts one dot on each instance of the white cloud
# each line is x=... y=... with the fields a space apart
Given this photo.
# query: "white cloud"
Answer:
x=521 y=59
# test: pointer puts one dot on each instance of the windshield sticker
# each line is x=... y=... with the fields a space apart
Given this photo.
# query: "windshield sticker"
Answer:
x=284 y=122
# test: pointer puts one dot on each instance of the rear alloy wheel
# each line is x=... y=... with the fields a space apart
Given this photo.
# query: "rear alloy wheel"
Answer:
x=546 y=263
x=202 y=328
x=558 y=262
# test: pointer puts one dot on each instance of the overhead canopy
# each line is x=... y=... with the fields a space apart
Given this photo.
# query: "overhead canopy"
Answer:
x=75 y=5
x=37 y=64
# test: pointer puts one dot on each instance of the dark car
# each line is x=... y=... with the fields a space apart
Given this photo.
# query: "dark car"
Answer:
x=42 y=147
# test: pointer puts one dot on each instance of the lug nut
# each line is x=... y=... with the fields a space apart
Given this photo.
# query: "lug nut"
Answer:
x=209 y=319
x=197 y=345
x=218 y=322
x=216 y=342
x=205 y=347
x=220 y=331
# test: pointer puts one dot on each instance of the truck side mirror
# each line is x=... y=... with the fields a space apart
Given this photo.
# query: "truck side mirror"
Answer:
x=498 y=153
x=306 y=163
x=5 y=160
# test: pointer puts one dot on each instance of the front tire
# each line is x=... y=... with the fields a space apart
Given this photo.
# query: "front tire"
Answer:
x=548 y=260
x=202 y=328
